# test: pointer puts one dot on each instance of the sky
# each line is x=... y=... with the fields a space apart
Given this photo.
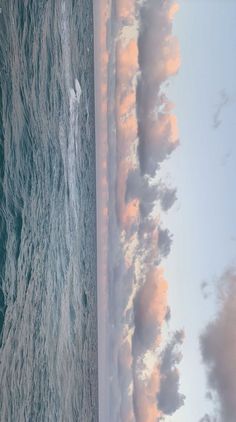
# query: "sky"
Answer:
x=165 y=107
x=203 y=169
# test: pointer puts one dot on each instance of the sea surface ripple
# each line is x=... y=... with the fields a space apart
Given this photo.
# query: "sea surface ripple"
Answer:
x=48 y=322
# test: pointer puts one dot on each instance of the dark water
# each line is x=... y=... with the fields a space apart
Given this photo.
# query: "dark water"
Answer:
x=48 y=354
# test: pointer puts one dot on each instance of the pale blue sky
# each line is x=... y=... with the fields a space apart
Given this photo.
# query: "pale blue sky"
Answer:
x=203 y=169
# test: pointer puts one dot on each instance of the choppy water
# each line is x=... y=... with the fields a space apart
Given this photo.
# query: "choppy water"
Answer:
x=48 y=355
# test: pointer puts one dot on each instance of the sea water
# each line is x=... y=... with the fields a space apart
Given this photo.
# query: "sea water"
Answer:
x=48 y=322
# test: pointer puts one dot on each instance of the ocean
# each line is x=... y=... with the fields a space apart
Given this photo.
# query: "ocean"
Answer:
x=48 y=294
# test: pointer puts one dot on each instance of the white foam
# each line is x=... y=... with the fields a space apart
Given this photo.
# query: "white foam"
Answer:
x=75 y=95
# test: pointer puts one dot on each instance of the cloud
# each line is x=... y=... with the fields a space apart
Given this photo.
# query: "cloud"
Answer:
x=168 y=314
x=150 y=308
x=172 y=355
x=168 y=197
x=224 y=100
x=142 y=131
x=208 y=418
x=159 y=59
x=157 y=140
x=158 y=394
x=205 y=289
x=126 y=127
x=125 y=9
x=218 y=348
x=141 y=187
x=165 y=239
x=169 y=398
x=145 y=406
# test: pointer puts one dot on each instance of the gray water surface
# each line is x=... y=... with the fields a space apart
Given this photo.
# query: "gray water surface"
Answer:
x=48 y=322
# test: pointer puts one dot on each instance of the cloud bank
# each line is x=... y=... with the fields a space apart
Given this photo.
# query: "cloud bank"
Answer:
x=159 y=59
x=142 y=132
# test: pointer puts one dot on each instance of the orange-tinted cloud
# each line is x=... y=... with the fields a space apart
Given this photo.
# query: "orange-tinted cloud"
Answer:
x=152 y=304
x=125 y=9
x=143 y=116
x=127 y=60
x=159 y=59
x=126 y=121
x=130 y=213
x=173 y=61
x=146 y=409
x=173 y=9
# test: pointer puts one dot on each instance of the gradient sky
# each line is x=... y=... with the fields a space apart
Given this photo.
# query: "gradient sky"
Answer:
x=202 y=170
